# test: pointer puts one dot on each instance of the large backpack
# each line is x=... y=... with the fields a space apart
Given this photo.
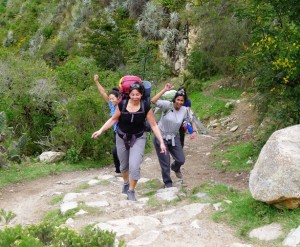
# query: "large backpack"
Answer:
x=124 y=86
x=169 y=95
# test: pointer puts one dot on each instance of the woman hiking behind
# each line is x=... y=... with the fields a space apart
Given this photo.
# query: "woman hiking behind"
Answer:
x=173 y=115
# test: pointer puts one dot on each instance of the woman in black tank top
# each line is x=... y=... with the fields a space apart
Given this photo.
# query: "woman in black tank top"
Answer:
x=131 y=139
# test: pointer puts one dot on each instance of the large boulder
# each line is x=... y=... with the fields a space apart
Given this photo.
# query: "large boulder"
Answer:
x=51 y=156
x=275 y=178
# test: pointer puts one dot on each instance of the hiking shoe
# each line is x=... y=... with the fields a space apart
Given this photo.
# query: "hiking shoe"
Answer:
x=131 y=195
x=178 y=174
x=125 y=188
x=168 y=186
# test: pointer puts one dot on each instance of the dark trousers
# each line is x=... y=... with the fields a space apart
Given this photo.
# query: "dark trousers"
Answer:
x=182 y=135
x=164 y=159
x=115 y=156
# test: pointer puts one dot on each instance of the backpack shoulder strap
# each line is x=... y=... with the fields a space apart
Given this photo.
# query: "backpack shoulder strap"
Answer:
x=143 y=106
x=146 y=105
x=124 y=104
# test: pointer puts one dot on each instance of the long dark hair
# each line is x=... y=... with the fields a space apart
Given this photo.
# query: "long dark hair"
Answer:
x=115 y=91
x=138 y=86
x=179 y=93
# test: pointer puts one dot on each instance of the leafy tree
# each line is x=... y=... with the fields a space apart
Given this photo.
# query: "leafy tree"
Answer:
x=108 y=36
x=28 y=92
x=273 y=59
x=220 y=35
x=75 y=75
x=80 y=116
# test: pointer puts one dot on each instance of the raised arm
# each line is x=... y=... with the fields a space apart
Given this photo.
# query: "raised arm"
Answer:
x=101 y=89
x=167 y=87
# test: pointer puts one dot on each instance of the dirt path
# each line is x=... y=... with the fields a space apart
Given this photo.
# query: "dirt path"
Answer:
x=30 y=200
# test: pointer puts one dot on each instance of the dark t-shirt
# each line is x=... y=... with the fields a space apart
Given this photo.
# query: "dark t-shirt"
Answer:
x=132 y=122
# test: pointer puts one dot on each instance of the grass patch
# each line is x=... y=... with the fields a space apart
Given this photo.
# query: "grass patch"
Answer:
x=104 y=182
x=16 y=173
x=245 y=213
x=216 y=192
x=154 y=202
x=150 y=187
x=237 y=156
x=206 y=107
x=211 y=81
x=92 y=210
x=228 y=93
x=56 y=218
x=153 y=184
x=81 y=187
x=56 y=199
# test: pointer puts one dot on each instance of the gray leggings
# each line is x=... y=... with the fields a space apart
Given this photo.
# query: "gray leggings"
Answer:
x=131 y=160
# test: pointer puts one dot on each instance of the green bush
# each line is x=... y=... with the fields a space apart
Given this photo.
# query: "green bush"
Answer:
x=271 y=59
x=47 y=32
x=46 y=234
x=27 y=97
x=76 y=75
x=73 y=155
x=172 y=5
x=79 y=118
x=108 y=36
x=200 y=66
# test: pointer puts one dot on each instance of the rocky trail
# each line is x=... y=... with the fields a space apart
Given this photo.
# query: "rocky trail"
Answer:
x=160 y=217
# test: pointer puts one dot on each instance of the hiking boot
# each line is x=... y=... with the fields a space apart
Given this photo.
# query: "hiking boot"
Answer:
x=178 y=174
x=125 y=188
x=131 y=195
x=168 y=186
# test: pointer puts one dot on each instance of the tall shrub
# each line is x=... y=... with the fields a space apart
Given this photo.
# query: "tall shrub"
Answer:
x=273 y=59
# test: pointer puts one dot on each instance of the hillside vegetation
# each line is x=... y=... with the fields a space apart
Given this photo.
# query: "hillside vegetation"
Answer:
x=51 y=49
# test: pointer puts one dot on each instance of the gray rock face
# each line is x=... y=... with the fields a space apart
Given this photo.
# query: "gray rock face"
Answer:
x=275 y=178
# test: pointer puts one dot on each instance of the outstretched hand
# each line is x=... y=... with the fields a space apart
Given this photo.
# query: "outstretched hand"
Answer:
x=193 y=135
x=96 y=134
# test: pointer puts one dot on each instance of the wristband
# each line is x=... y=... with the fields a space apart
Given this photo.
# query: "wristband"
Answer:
x=195 y=131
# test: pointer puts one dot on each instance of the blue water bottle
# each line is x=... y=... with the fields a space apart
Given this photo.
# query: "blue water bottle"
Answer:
x=189 y=128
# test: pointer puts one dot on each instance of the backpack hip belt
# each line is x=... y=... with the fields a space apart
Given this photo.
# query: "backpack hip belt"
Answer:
x=129 y=139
